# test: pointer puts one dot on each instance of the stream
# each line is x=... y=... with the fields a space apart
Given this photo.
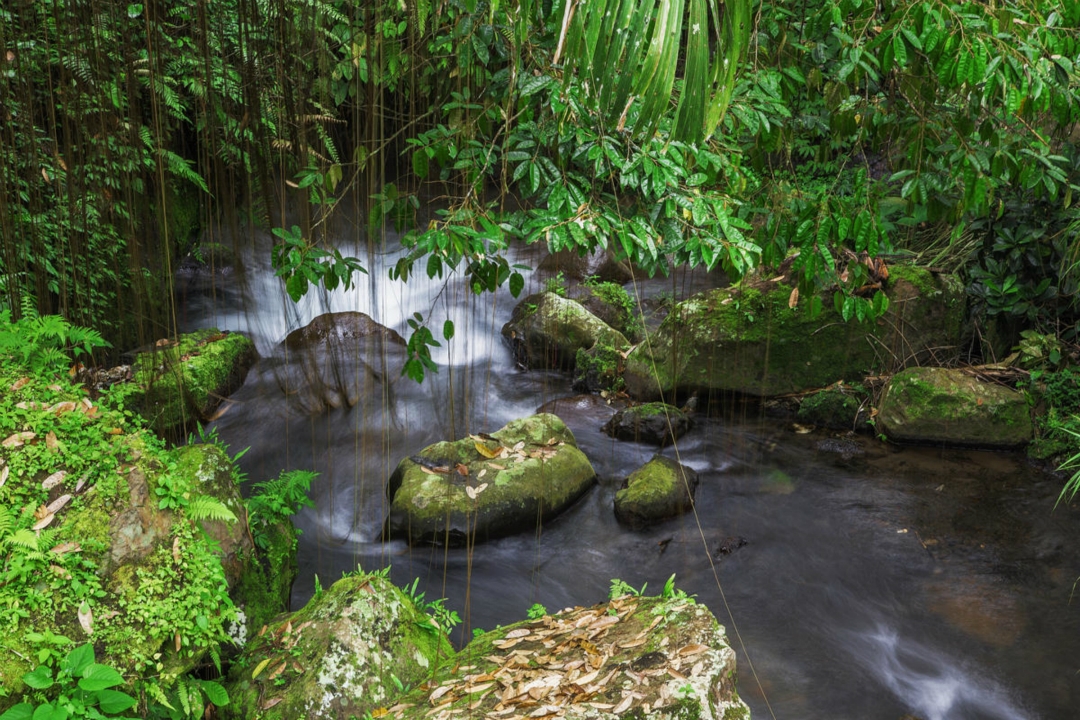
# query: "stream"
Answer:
x=873 y=584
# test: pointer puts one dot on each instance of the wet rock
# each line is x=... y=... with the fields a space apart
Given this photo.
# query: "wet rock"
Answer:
x=334 y=328
x=729 y=545
x=599 y=264
x=950 y=407
x=207 y=260
x=840 y=407
x=184 y=380
x=547 y=331
x=343 y=655
x=662 y=488
x=484 y=487
x=657 y=658
x=846 y=448
x=750 y=341
x=653 y=423
x=611 y=303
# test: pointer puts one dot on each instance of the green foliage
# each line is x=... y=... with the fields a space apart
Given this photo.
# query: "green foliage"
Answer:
x=620 y=588
x=1057 y=426
x=44 y=344
x=537 y=611
x=302 y=264
x=439 y=618
x=189 y=698
x=275 y=501
x=78 y=687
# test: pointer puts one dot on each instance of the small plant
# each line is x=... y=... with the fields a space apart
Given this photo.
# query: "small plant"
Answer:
x=556 y=284
x=620 y=588
x=42 y=343
x=440 y=618
x=80 y=688
x=275 y=501
x=670 y=592
x=537 y=611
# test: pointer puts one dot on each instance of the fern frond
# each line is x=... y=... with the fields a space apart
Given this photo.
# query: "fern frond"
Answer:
x=23 y=538
x=204 y=507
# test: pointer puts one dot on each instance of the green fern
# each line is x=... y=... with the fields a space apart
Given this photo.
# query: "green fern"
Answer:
x=204 y=507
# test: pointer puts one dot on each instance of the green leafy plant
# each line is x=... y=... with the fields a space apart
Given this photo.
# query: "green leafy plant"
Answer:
x=44 y=344
x=440 y=619
x=537 y=611
x=620 y=588
x=78 y=687
x=275 y=501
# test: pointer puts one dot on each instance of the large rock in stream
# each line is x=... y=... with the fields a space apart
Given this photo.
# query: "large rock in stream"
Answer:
x=547 y=331
x=661 y=488
x=342 y=656
x=485 y=487
x=748 y=340
x=944 y=406
x=633 y=657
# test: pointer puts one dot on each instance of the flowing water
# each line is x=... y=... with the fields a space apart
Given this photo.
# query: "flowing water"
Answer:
x=873 y=584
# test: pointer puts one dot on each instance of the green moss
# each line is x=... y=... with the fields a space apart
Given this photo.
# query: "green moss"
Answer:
x=844 y=407
x=184 y=382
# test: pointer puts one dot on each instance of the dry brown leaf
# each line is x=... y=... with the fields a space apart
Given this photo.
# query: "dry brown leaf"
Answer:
x=462 y=469
x=487 y=452
x=793 y=298
x=64 y=548
x=176 y=550
x=439 y=692
x=623 y=705
x=675 y=674
x=43 y=523
x=60 y=571
x=496 y=466
x=86 y=618
x=270 y=703
x=636 y=642
x=82 y=481
x=698 y=667
x=473 y=689
x=51 y=442
x=63 y=407
x=176 y=640
x=57 y=505
x=277 y=671
x=4 y=475
x=19 y=384
x=53 y=480
x=519 y=632
x=18 y=439
x=691 y=649
x=507 y=644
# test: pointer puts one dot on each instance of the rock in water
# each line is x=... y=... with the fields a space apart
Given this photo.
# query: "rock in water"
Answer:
x=749 y=340
x=945 y=406
x=488 y=487
x=633 y=657
x=547 y=331
x=654 y=423
x=660 y=489
x=341 y=656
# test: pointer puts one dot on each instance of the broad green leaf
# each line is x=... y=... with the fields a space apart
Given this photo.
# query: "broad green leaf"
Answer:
x=899 y=51
x=78 y=660
x=39 y=678
x=448 y=330
x=50 y=712
x=22 y=711
x=112 y=702
x=99 y=677
x=214 y=692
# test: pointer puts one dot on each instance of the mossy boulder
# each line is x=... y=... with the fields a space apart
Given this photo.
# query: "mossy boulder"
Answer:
x=104 y=523
x=654 y=423
x=844 y=406
x=944 y=406
x=488 y=487
x=749 y=340
x=547 y=330
x=183 y=381
x=342 y=656
x=645 y=658
x=662 y=488
x=611 y=303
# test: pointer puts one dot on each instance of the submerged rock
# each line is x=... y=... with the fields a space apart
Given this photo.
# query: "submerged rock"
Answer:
x=654 y=423
x=950 y=407
x=633 y=657
x=843 y=406
x=183 y=381
x=485 y=487
x=343 y=655
x=662 y=488
x=547 y=331
x=749 y=340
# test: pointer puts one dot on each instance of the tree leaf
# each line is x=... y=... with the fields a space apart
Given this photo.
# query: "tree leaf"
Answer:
x=214 y=692
x=39 y=679
x=112 y=702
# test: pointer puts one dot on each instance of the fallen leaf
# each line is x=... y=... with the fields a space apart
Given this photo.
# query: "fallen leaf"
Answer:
x=496 y=466
x=793 y=298
x=18 y=439
x=270 y=703
x=176 y=640
x=482 y=473
x=53 y=480
x=176 y=550
x=62 y=407
x=277 y=671
x=4 y=475
x=487 y=452
x=114 y=431
x=56 y=505
x=51 y=442
x=519 y=632
x=623 y=705
x=802 y=429
x=462 y=469
x=261 y=666
x=64 y=548
x=691 y=649
x=19 y=384
x=86 y=618
x=439 y=692
x=43 y=523
x=82 y=481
